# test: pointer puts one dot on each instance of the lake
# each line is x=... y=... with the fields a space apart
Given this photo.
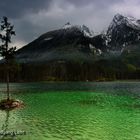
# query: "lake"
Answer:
x=73 y=111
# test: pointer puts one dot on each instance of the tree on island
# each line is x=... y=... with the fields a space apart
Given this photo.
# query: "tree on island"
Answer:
x=7 y=53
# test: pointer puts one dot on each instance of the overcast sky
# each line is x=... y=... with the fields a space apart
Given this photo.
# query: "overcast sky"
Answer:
x=35 y=17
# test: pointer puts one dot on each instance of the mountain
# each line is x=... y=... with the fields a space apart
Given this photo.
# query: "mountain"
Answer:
x=83 y=29
x=78 y=43
x=74 y=53
x=70 y=43
x=122 y=32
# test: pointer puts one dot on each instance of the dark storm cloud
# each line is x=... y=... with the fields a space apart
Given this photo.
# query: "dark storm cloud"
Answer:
x=94 y=2
x=17 y=8
x=35 y=17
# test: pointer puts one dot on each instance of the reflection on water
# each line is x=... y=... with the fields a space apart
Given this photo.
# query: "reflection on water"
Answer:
x=92 y=111
x=4 y=128
x=8 y=130
x=6 y=133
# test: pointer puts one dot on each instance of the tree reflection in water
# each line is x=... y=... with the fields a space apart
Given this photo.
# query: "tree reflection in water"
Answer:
x=5 y=133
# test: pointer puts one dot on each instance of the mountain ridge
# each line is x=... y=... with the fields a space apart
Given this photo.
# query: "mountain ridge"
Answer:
x=72 y=54
x=79 y=41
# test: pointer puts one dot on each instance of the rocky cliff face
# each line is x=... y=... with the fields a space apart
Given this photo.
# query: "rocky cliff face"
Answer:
x=123 y=31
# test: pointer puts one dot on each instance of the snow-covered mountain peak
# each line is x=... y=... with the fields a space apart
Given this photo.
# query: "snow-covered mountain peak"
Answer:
x=84 y=29
x=122 y=31
x=67 y=25
x=133 y=22
x=118 y=17
x=125 y=20
x=87 y=31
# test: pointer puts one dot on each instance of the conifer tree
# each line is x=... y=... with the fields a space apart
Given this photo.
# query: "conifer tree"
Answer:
x=7 y=52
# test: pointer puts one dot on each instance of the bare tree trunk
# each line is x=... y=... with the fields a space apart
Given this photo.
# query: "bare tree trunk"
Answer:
x=5 y=125
x=8 y=94
x=7 y=82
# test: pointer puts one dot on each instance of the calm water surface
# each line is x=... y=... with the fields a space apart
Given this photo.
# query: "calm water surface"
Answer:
x=73 y=111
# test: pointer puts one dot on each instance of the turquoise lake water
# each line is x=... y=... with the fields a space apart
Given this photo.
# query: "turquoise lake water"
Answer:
x=73 y=111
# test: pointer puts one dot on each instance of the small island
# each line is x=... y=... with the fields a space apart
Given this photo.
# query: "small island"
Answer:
x=10 y=104
x=7 y=53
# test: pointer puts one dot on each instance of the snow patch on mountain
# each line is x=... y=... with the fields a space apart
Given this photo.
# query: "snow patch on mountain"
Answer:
x=84 y=29
x=132 y=22
x=94 y=50
x=67 y=26
x=49 y=38
x=128 y=21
